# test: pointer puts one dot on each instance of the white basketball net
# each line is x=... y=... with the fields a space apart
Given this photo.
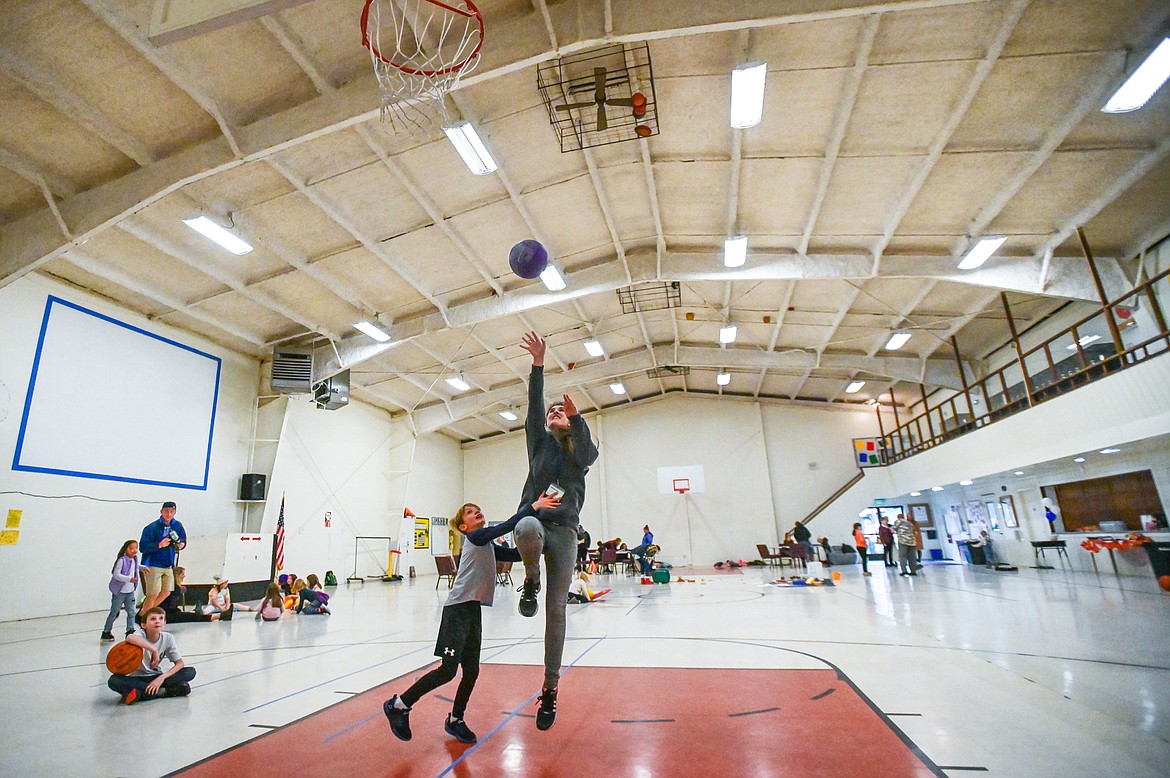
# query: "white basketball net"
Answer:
x=420 y=49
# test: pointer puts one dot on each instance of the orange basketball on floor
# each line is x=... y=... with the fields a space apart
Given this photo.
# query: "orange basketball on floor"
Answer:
x=123 y=658
x=1164 y=582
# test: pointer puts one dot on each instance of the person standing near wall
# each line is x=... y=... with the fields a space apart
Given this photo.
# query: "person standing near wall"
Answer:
x=907 y=550
x=886 y=536
x=160 y=540
x=803 y=536
x=560 y=451
x=862 y=547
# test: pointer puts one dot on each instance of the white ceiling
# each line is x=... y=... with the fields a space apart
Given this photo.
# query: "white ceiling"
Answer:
x=893 y=133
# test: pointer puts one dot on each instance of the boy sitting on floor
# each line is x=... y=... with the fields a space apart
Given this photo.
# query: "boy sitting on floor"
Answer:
x=149 y=680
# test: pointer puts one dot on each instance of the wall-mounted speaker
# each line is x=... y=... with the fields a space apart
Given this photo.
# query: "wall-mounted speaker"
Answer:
x=252 y=486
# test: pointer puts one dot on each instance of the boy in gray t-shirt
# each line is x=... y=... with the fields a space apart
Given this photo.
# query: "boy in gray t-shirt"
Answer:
x=149 y=681
x=461 y=631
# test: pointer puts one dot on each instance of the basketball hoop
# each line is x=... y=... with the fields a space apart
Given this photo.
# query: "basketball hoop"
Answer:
x=682 y=485
x=420 y=49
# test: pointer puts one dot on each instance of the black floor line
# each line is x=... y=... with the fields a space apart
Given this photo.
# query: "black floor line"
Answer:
x=903 y=714
x=963 y=767
x=265 y=726
x=825 y=693
x=751 y=712
x=340 y=692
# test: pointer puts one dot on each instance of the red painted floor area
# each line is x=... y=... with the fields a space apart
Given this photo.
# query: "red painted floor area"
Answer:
x=610 y=722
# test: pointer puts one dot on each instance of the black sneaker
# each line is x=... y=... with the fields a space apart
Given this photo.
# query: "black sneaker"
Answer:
x=178 y=690
x=457 y=729
x=548 y=709
x=528 y=604
x=399 y=719
x=107 y=637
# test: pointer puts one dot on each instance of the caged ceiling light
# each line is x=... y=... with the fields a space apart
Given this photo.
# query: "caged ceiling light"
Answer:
x=747 y=94
x=553 y=280
x=723 y=378
x=854 y=387
x=457 y=382
x=1145 y=81
x=471 y=149
x=593 y=346
x=735 y=251
x=897 y=340
x=617 y=387
x=727 y=333
x=217 y=234
x=509 y=414
x=980 y=252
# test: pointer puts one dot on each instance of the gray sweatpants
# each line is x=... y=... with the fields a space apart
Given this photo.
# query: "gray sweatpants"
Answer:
x=558 y=544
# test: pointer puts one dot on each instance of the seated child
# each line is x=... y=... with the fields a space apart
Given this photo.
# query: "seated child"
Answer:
x=271 y=608
x=315 y=584
x=150 y=681
x=461 y=630
x=579 y=590
x=174 y=604
x=308 y=601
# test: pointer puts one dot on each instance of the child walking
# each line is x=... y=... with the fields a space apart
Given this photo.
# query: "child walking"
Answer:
x=123 y=585
x=461 y=632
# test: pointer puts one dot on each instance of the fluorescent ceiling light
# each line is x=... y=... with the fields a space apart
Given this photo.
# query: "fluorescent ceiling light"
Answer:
x=466 y=141
x=965 y=483
x=735 y=251
x=1086 y=340
x=854 y=387
x=212 y=231
x=1110 y=450
x=1019 y=472
x=1079 y=459
x=897 y=340
x=457 y=382
x=617 y=387
x=509 y=415
x=1146 y=80
x=723 y=378
x=552 y=278
x=593 y=346
x=727 y=333
x=915 y=494
x=936 y=488
x=373 y=330
x=978 y=254
x=747 y=94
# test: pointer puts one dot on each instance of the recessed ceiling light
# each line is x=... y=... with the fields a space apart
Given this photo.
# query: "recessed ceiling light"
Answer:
x=747 y=94
x=1019 y=472
x=965 y=483
x=593 y=346
x=979 y=253
x=617 y=387
x=1110 y=450
x=552 y=278
x=457 y=382
x=735 y=251
x=897 y=340
x=466 y=141
x=509 y=415
x=936 y=488
x=854 y=387
x=1086 y=340
x=915 y=494
x=212 y=231
x=373 y=330
x=723 y=378
x=1079 y=459
x=1145 y=81
x=727 y=333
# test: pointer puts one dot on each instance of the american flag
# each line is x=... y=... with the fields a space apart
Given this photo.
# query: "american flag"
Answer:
x=280 y=536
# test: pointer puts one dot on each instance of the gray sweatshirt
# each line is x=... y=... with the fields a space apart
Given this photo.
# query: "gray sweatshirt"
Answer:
x=476 y=579
x=550 y=462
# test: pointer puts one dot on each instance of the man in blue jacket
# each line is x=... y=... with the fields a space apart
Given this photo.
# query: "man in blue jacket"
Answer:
x=160 y=541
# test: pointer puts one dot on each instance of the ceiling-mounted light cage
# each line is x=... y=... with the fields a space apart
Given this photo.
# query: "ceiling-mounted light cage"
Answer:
x=653 y=296
x=600 y=97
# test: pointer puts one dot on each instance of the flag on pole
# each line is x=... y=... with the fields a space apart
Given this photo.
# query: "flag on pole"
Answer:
x=280 y=536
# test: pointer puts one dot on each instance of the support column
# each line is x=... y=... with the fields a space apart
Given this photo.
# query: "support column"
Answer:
x=1106 y=308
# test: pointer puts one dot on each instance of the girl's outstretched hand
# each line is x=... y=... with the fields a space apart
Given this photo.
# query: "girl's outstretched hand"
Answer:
x=570 y=406
x=546 y=501
x=534 y=345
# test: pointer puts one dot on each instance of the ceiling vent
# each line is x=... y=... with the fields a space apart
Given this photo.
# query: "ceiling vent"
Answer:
x=652 y=296
x=333 y=392
x=292 y=370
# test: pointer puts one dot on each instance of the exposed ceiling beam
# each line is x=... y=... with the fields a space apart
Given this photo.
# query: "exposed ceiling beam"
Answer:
x=36 y=174
x=295 y=47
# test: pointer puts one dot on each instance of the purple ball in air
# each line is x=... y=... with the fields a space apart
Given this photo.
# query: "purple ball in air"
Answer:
x=528 y=258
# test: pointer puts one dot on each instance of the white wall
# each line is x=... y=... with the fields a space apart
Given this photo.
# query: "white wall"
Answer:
x=755 y=459
x=358 y=464
x=72 y=527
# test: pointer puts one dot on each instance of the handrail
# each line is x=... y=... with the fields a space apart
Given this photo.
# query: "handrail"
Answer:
x=848 y=485
x=999 y=399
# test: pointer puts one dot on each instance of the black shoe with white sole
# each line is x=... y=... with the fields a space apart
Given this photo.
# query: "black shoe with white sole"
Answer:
x=528 y=604
x=547 y=714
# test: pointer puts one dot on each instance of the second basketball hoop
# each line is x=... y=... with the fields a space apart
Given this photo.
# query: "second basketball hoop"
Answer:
x=420 y=49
